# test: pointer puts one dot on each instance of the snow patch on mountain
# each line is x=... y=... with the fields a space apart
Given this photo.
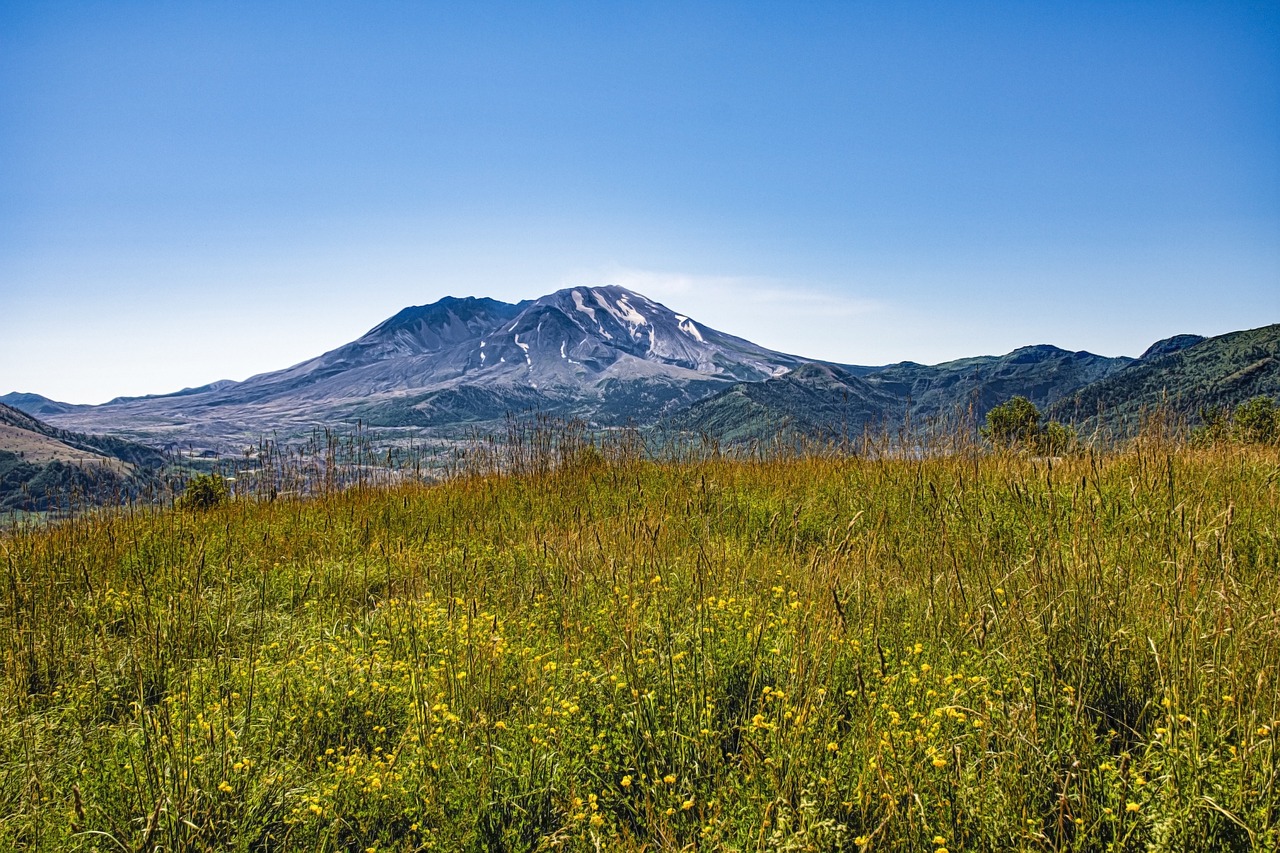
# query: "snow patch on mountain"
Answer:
x=583 y=307
x=629 y=314
x=687 y=326
x=622 y=311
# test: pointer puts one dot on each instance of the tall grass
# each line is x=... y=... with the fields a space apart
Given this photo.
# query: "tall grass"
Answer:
x=958 y=651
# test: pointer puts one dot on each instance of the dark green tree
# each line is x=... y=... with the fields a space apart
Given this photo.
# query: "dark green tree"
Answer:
x=204 y=491
x=1256 y=421
x=1015 y=423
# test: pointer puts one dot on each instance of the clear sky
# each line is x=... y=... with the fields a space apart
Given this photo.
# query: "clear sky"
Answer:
x=198 y=191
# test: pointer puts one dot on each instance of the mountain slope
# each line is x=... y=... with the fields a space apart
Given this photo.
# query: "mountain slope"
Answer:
x=1040 y=373
x=613 y=357
x=1168 y=346
x=815 y=400
x=604 y=353
x=828 y=401
x=1219 y=371
x=42 y=467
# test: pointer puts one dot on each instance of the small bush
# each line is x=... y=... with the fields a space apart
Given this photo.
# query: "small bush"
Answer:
x=1055 y=439
x=204 y=491
x=1015 y=423
x=1255 y=421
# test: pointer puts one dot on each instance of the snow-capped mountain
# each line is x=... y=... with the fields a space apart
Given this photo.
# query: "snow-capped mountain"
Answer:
x=613 y=356
x=587 y=334
x=606 y=353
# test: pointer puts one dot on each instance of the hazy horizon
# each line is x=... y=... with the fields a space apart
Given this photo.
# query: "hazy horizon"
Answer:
x=195 y=193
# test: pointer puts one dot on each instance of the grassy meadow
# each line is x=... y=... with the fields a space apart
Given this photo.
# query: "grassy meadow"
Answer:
x=964 y=652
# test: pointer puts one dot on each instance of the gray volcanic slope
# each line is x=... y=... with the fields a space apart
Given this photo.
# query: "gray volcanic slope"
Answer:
x=605 y=353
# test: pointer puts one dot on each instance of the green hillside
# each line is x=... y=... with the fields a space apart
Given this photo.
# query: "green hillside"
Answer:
x=814 y=401
x=1222 y=371
x=825 y=402
x=44 y=468
x=1042 y=374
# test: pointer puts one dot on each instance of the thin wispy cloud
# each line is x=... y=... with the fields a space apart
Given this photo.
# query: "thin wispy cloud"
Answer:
x=790 y=316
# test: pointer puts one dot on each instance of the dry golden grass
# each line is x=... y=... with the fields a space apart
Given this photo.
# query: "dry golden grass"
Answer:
x=39 y=449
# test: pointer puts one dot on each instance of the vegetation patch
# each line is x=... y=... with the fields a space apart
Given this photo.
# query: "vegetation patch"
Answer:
x=966 y=652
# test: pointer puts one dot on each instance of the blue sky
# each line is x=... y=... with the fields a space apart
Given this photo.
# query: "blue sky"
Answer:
x=196 y=191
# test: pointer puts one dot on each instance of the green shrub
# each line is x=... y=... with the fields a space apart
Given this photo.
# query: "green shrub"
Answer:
x=1055 y=439
x=204 y=491
x=1255 y=421
x=1015 y=423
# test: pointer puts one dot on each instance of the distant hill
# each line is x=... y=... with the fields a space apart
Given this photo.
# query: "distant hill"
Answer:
x=830 y=402
x=1042 y=374
x=1169 y=346
x=34 y=404
x=42 y=467
x=1221 y=371
x=815 y=400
